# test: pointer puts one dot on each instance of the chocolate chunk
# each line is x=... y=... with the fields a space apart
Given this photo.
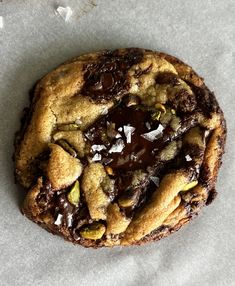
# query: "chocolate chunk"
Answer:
x=45 y=196
x=182 y=101
x=107 y=79
x=139 y=152
x=167 y=78
x=140 y=72
x=66 y=209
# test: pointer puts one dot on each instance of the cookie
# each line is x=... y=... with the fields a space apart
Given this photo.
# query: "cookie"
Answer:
x=119 y=148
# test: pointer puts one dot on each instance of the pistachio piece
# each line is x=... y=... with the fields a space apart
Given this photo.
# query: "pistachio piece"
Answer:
x=68 y=127
x=173 y=111
x=129 y=198
x=190 y=185
x=156 y=115
x=160 y=109
x=64 y=144
x=93 y=231
x=74 y=194
x=109 y=170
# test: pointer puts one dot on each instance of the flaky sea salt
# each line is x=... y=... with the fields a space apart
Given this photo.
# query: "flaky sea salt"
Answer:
x=188 y=158
x=133 y=157
x=118 y=135
x=69 y=220
x=96 y=157
x=120 y=129
x=153 y=135
x=97 y=148
x=128 y=131
x=117 y=147
x=1 y=22
x=65 y=12
x=58 y=220
x=155 y=180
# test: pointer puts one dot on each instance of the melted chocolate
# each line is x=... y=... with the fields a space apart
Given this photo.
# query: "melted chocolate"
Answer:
x=107 y=78
x=206 y=100
x=65 y=209
x=45 y=196
x=137 y=154
x=167 y=78
x=140 y=72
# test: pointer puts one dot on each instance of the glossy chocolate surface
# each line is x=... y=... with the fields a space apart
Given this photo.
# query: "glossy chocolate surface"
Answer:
x=107 y=78
x=139 y=152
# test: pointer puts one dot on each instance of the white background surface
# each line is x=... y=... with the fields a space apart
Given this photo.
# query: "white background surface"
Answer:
x=32 y=42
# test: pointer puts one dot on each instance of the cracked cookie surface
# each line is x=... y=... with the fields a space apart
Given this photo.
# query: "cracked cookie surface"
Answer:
x=119 y=148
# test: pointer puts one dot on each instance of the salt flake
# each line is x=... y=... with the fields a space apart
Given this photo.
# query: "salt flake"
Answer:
x=118 y=135
x=117 y=147
x=133 y=157
x=188 y=158
x=120 y=129
x=65 y=12
x=128 y=131
x=153 y=135
x=155 y=180
x=1 y=22
x=96 y=157
x=58 y=220
x=97 y=147
x=69 y=220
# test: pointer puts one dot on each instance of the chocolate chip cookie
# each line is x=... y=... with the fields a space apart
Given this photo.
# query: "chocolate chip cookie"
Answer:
x=119 y=148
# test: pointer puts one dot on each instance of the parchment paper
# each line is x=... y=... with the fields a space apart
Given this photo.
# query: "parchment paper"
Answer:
x=33 y=41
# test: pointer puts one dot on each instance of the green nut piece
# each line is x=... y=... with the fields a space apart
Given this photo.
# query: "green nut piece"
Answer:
x=64 y=144
x=93 y=231
x=160 y=109
x=190 y=185
x=156 y=115
x=68 y=127
x=74 y=194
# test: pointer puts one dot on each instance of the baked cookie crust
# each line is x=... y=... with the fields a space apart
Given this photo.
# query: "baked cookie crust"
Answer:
x=119 y=147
